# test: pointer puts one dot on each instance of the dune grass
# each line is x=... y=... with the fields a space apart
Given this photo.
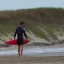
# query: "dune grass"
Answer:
x=46 y=18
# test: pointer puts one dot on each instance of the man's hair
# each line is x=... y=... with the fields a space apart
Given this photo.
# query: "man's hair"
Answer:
x=21 y=23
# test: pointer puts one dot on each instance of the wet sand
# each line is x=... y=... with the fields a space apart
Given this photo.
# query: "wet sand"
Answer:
x=32 y=60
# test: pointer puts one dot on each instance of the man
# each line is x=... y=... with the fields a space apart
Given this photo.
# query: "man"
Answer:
x=19 y=32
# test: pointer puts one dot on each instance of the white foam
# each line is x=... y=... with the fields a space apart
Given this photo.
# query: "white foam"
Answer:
x=32 y=51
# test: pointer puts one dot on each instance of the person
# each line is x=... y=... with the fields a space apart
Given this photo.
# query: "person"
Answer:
x=20 y=30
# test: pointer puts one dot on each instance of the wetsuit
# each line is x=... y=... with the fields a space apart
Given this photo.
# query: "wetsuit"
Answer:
x=19 y=32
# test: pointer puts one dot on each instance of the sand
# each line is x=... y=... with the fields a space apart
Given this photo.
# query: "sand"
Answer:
x=31 y=60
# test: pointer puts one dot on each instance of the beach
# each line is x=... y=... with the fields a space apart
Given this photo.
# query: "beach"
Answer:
x=33 y=55
x=32 y=60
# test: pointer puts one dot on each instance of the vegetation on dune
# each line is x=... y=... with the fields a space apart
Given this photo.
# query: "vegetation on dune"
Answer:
x=46 y=18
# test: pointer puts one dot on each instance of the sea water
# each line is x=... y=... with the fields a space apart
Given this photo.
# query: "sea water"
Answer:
x=35 y=51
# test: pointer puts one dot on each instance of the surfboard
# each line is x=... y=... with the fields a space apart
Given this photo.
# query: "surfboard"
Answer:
x=14 y=41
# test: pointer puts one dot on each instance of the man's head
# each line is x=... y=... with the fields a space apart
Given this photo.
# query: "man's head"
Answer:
x=22 y=23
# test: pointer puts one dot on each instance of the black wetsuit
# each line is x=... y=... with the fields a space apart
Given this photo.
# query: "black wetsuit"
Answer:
x=19 y=32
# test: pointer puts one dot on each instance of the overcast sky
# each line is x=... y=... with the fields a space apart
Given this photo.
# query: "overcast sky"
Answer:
x=23 y=4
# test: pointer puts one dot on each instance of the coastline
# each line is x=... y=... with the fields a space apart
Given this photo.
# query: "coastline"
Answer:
x=36 y=57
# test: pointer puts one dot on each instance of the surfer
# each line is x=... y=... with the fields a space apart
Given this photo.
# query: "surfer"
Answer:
x=20 y=30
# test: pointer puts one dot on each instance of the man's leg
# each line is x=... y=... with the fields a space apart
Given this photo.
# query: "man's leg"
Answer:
x=20 y=50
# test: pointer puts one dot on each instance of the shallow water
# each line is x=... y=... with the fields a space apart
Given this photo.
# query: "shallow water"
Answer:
x=35 y=51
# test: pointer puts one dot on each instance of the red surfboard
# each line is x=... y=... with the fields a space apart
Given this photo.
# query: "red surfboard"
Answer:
x=14 y=42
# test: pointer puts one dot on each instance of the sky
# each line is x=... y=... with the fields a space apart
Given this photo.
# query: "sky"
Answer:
x=26 y=4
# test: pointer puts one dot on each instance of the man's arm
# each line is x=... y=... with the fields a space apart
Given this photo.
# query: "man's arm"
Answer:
x=15 y=34
x=24 y=32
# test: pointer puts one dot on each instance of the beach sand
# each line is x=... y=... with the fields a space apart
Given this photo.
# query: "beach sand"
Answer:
x=32 y=60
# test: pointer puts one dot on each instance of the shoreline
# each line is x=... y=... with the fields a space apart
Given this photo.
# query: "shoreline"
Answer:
x=52 y=50
x=39 y=58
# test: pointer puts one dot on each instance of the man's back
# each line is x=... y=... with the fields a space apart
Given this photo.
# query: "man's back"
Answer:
x=20 y=31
